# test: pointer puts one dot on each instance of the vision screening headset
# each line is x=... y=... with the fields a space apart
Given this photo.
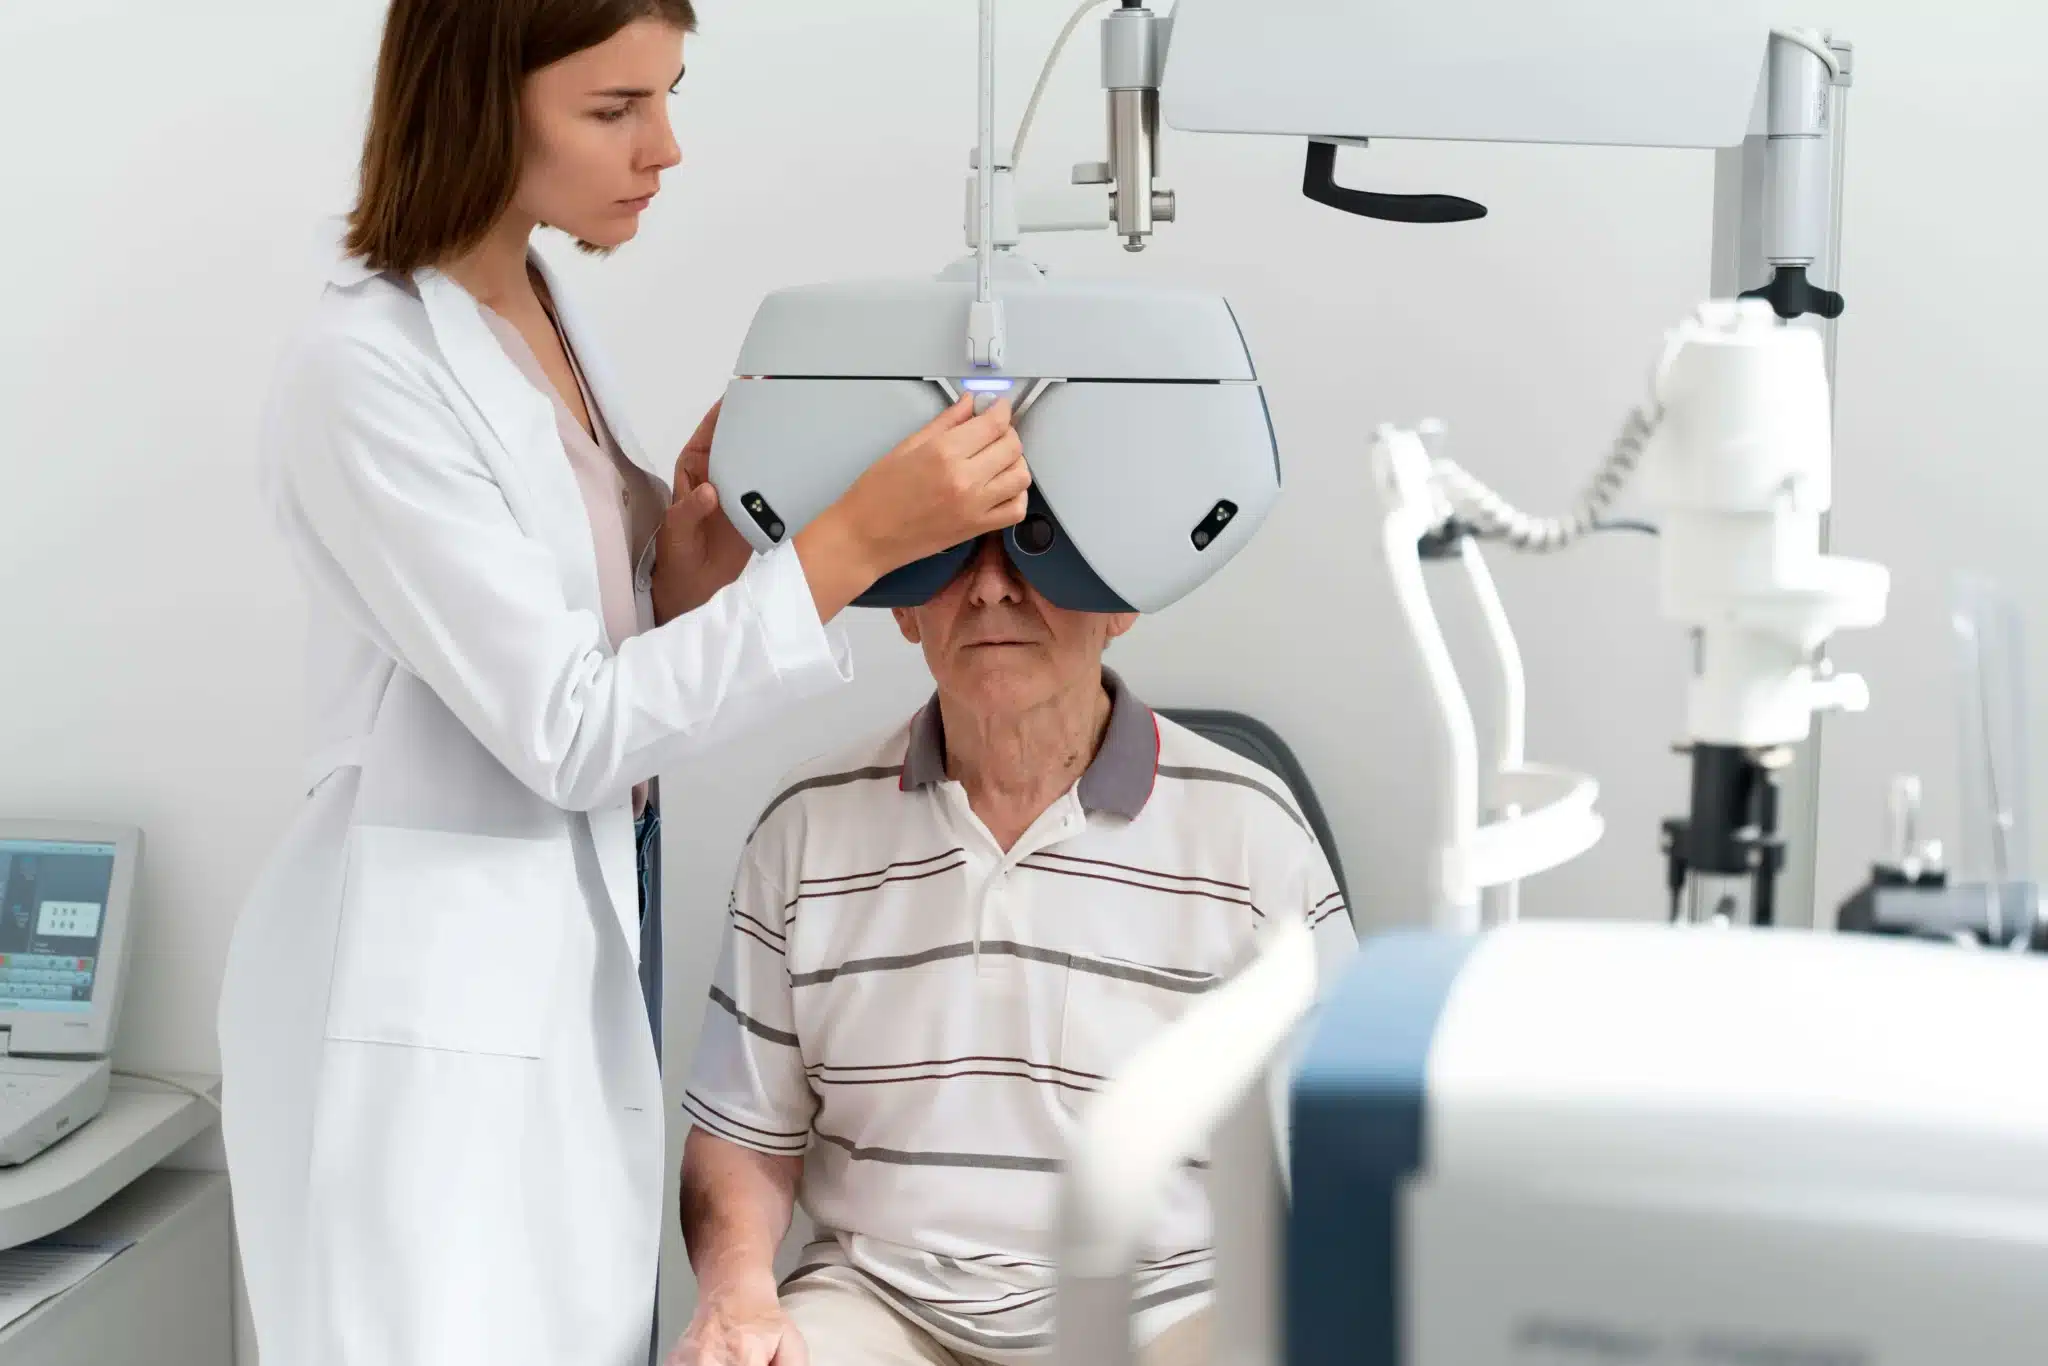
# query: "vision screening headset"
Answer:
x=1152 y=454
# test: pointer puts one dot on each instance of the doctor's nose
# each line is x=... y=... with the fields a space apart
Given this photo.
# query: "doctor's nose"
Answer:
x=662 y=150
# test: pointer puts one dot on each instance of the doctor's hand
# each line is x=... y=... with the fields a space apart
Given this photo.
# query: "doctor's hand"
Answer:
x=958 y=477
x=698 y=551
x=734 y=1327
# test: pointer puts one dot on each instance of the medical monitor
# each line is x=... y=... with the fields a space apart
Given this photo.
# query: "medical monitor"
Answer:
x=65 y=889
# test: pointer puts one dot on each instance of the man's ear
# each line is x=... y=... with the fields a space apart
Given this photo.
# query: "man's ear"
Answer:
x=906 y=622
x=1118 y=623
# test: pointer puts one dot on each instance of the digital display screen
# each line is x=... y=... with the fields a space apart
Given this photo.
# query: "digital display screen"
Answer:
x=53 y=910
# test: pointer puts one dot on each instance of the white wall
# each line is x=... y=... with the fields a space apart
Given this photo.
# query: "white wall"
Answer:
x=1938 y=464
x=165 y=168
x=161 y=170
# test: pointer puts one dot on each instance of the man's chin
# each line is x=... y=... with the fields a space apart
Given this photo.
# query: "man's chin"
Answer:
x=996 y=662
x=999 y=675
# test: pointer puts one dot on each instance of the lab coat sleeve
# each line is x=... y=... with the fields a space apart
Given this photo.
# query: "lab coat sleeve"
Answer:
x=386 y=482
x=748 y=1085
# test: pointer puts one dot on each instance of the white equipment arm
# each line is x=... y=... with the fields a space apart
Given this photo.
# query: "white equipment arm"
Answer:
x=1538 y=817
x=1209 y=1069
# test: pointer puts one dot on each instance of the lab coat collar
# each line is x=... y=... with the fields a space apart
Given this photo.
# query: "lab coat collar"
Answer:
x=349 y=271
x=523 y=420
x=597 y=370
x=520 y=415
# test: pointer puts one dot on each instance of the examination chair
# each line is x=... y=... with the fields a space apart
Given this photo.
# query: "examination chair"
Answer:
x=1250 y=738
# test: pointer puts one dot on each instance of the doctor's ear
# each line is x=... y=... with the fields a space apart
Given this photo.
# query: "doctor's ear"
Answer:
x=906 y=622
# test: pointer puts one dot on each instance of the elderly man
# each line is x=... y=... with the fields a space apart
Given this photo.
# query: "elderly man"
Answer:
x=942 y=942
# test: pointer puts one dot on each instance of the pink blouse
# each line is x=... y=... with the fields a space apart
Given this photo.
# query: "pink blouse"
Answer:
x=624 y=504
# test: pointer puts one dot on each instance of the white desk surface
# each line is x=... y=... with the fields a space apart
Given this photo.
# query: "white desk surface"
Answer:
x=143 y=1123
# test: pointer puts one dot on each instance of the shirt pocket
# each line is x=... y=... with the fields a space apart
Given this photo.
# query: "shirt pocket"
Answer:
x=451 y=941
x=1113 y=1007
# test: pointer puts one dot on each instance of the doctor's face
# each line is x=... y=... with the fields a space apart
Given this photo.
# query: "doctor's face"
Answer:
x=996 y=647
x=598 y=136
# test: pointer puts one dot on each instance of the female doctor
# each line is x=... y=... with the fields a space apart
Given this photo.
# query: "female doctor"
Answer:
x=444 y=1114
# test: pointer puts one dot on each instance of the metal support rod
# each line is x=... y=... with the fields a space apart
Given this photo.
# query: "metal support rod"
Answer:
x=985 y=314
x=1739 y=263
x=985 y=157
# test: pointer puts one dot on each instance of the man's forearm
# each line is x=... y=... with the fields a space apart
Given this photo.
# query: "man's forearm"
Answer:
x=736 y=1207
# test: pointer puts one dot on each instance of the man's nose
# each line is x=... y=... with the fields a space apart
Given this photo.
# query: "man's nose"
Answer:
x=990 y=576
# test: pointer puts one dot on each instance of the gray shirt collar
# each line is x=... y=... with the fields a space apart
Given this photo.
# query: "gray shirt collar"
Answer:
x=1118 y=779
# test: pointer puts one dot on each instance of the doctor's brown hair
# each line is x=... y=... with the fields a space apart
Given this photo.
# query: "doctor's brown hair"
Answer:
x=441 y=158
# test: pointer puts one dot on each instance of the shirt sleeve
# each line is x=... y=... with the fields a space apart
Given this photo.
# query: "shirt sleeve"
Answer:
x=1323 y=906
x=405 y=522
x=748 y=1084
x=1307 y=887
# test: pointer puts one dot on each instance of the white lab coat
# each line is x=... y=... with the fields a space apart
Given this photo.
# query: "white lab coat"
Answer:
x=444 y=1117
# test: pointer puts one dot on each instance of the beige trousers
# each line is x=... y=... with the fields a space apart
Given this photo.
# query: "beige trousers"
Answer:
x=846 y=1324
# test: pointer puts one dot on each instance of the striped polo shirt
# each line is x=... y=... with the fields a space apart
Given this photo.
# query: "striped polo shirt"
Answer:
x=920 y=1015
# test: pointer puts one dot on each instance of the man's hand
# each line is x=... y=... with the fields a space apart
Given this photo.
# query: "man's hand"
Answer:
x=735 y=1206
x=740 y=1328
x=698 y=551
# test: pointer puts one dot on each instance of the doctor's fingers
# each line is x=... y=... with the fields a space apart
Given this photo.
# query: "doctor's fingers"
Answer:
x=1002 y=471
x=974 y=433
x=691 y=506
x=959 y=412
x=1000 y=451
x=1005 y=515
x=693 y=466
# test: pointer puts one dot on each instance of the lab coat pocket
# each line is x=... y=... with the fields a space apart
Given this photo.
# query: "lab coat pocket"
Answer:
x=1113 y=1007
x=451 y=941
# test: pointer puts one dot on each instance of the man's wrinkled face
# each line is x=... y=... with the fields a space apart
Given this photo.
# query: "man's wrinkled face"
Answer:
x=994 y=644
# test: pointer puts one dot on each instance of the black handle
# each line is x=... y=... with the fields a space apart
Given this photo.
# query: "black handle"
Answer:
x=1791 y=295
x=1319 y=182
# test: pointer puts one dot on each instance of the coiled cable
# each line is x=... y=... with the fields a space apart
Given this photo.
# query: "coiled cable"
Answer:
x=1492 y=517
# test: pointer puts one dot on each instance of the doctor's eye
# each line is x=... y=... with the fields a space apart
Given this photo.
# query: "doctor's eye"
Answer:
x=611 y=115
